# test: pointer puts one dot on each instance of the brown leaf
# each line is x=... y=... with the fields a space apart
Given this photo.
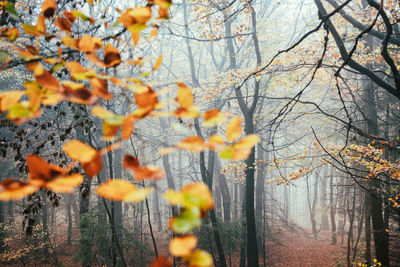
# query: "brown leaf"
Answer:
x=100 y=88
x=142 y=172
x=112 y=57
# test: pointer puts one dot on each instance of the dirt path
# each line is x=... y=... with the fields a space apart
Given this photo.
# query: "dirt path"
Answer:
x=295 y=249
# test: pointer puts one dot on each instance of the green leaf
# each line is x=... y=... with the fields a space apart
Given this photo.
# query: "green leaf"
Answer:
x=186 y=221
x=11 y=11
x=19 y=111
x=226 y=153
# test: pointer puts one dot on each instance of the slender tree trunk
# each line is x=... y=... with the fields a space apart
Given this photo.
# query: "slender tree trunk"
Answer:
x=332 y=210
x=224 y=188
x=69 y=218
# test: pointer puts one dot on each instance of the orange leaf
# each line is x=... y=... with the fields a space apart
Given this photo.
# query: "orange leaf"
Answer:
x=78 y=72
x=192 y=143
x=93 y=167
x=11 y=189
x=46 y=79
x=49 y=8
x=142 y=172
x=234 y=129
x=89 y=44
x=154 y=32
x=40 y=171
x=9 y=98
x=136 y=16
x=127 y=127
x=121 y=190
x=145 y=97
x=161 y=261
x=65 y=184
x=11 y=33
x=69 y=41
x=182 y=246
x=100 y=88
x=80 y=151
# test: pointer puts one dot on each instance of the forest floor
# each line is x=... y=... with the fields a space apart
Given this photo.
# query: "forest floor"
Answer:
x=295 y=247
x=292 y=247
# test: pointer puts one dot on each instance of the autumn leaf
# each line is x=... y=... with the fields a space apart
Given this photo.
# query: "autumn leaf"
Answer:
x=191 y=195
x=9 y=98
x=240 y=150
x=11 y=189
x=213 y=118
x=142 y=172
x=65 y=25
x=100 y=88
x=157 y=64
x=21 y=112
x=182 y=246
x=40 y=169
x=89 y=44
x=112 y=57
x=161 y=3
x=216 y=142
x=145 y=97
x=78 y=72
x=36 y=30
x=78 y=93
x=186 y=221
x=234 y=129
x=11 y=33
x=46 y=79
x=199 y=258
x=192 y=143
x=49 y=8
x=185 y=96
x=65 y=184
x=127 y=127
x=200 y=191
x=248 y=141
x=121 y=190
x=79 y=151
x=135 y=19
x=69 y=41
x=161 y=261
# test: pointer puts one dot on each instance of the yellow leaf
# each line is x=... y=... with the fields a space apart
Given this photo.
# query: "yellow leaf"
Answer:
x=182 y=246
x=185 y=96
x=199 y=258
x=82 y=152
x=157 y=64
x=121 y=190
x=234 y=129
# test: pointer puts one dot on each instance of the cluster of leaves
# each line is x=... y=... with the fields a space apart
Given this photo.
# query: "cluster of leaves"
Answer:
x=89 y=86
